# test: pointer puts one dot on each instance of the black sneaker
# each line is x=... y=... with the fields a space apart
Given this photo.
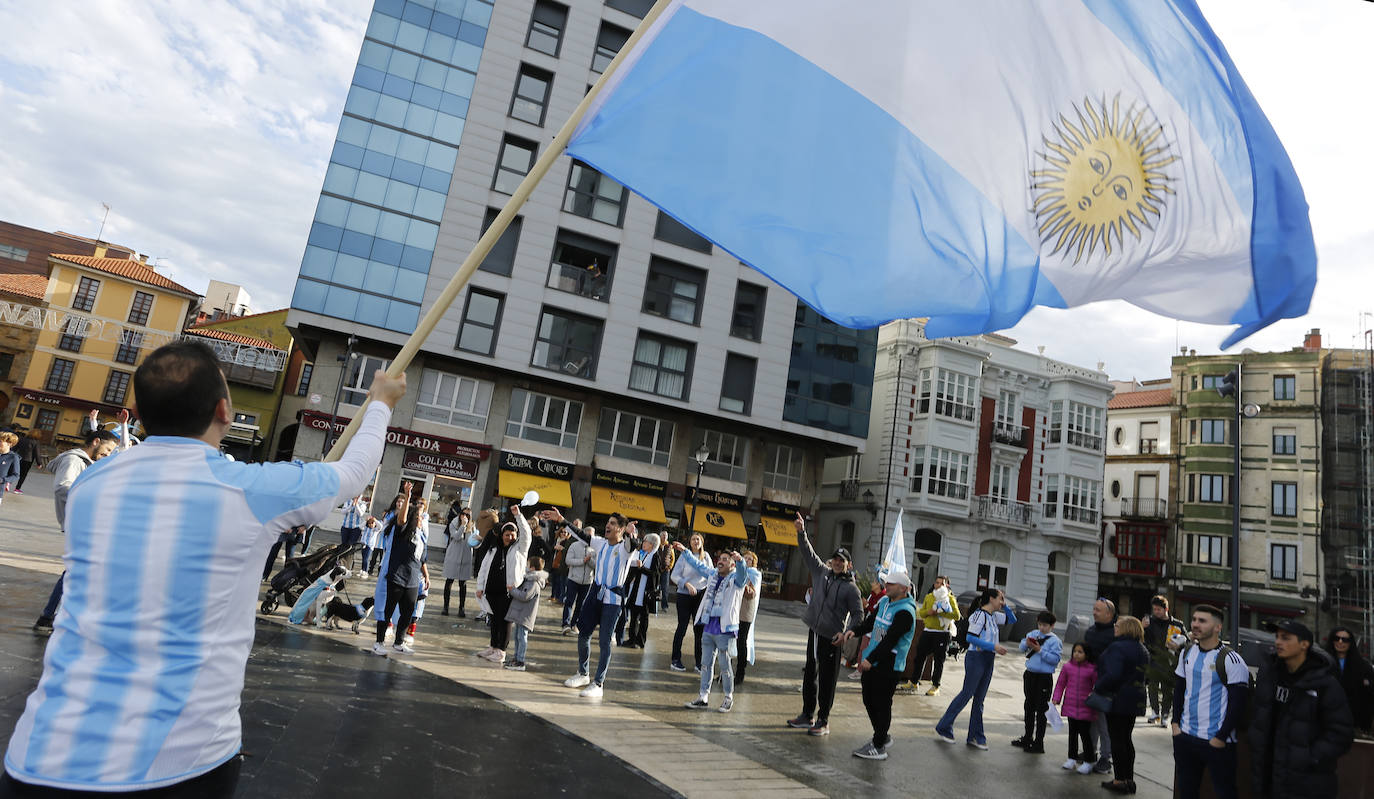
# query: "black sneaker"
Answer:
x=1021 y=742
x=676 y=666
x=43 y=626
x=1034 y=749
x=699 y=703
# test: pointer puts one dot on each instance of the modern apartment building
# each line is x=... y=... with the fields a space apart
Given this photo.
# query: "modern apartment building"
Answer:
x=1137 y=551
x=603 y=355
x=992 y=456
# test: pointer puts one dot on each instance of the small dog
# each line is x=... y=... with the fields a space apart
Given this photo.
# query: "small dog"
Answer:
x=338 y=610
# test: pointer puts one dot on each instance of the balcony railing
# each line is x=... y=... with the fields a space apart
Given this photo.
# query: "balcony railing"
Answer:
x=994 y=509
x=1144 y=508
x=1007 y=433
x=577 y=280
x=849 y=489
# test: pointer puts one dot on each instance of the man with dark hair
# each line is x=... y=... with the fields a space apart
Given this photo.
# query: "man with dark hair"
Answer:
x=1162 y=634
x=605 y=600
x=1210 y=696
x=144 y=672
x=835 y=605
x=65 y=469
x=1302 y=722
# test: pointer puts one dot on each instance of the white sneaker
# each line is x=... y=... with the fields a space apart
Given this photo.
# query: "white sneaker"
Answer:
x=409 y=640
x=485 y=652
x=1085 y=767
x=402 y=649
x=1150 y=717
x=578 y=681
x=592 y=691
x=497 y=656
x=379 y=649
x=1070 y=764
x=727 y=704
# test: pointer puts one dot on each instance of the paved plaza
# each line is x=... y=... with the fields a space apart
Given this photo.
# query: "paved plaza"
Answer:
x=322 y=718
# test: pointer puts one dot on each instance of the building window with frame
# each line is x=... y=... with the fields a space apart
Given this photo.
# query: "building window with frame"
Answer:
x=1050 y=507
x=1285 y=441
x=609 y=40
x=592 y=195
x=954 y=394
x=1212 y=431
x=1080 y=499
x=13 y=253
x=517 y=157
x=1057 y=589
x=546 y=27
x=303 y=387
x=674 y=291
x=1077 y=424
x=116 y=387
x=358 y=378
x=1285 y=499
x=1283 y=562
x=747 y=319
x=1001 y=485
x=582 y=265
x=729 y=454
x=130 y=346
x=994 y=564
x=501 y=259
x=1008 y=408
x=453 y=399
x=737 y=386
x=73 y=334
x=47 y=419
x=59 y=375
x=84 y=298
x=672 y=231
x=141 y=309
x=530 y=100
x=544 y=418
x=1285 y=387
x=635 y=8
x=6 y=364
x=1149 y=438
x=946 y=473
x=634 y=437
x=1207 y=487
x=567 y=342
x=481 y=318
x=1211 y=382
x=782 y=468
x=662 y=366
x=1207 y=550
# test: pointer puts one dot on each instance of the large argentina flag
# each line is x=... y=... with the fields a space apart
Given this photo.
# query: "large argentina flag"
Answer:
x=964 y=161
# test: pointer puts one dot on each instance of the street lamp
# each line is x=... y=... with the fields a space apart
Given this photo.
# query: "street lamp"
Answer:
x=345 y=359
x=1230 y=387
x=868 y=504
x=699 y=458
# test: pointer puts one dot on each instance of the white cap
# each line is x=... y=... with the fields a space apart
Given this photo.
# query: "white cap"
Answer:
x=897 y=577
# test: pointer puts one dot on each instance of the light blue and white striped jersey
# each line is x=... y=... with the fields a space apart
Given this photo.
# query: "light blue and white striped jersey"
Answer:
x=612 y=566
x=354 y=514
x=143 y=674
x=1204 y=697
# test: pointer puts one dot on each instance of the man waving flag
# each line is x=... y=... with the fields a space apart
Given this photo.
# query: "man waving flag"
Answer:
x=964 y=161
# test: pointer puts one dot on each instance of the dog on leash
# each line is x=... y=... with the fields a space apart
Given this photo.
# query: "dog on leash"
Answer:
x=338 y=611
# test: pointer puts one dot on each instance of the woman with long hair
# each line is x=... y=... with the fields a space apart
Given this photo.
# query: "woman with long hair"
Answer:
x=689 y=586
x=1355 y=674
x=503 y=569
x=461 y=532
x=405 y=574
x=986 y=616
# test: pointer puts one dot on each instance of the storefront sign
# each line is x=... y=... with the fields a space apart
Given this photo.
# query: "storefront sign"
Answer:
x=778 y=509
x=717 y=498
x=60 y=401
x=442 y=465
x=629 y=482
x=530 y=464
x=412 y=439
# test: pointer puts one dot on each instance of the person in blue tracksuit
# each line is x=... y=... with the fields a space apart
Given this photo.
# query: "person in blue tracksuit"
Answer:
x=1043 y=651
x=890 y=629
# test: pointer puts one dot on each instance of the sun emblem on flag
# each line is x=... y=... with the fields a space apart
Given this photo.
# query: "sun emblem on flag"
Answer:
x=1102 y=178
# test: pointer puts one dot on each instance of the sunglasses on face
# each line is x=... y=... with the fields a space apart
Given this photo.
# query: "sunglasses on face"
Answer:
x=1343 y=639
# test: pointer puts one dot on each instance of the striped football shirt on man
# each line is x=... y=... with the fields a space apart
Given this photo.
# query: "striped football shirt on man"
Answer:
x=1204 y=696
x=144 y=670
x=612 y=567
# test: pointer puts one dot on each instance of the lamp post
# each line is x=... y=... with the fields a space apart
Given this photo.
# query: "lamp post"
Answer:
x=346 y=359
x=1230 y=387
x=891 y=454
x=699 y=458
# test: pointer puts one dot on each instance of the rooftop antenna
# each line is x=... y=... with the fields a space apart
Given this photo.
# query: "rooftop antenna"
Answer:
x=102 y=221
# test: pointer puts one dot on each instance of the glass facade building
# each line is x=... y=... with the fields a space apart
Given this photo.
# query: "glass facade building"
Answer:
x=830 y=376
x=375 y=228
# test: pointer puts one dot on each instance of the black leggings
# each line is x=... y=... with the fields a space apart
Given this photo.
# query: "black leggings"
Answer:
x=398 y=595
x=686 y=612
x=742 y=660
x=500 y=630
x=879 y=684
x=462 y=594
x=1081 y=741
x=934 y=645
x=1037 y=689
x=1119 y=729
x=637 y=619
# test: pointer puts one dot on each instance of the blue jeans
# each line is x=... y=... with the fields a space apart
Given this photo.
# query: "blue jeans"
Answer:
x=715 y=650
x=573 y=597
x=977 y=678
x=522 y=640
x=595 y=613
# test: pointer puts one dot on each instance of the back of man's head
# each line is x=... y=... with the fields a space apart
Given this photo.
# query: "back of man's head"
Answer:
x=177 y=388
x=94 y=437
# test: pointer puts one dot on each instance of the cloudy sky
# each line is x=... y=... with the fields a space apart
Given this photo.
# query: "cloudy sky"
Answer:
x=206 y=126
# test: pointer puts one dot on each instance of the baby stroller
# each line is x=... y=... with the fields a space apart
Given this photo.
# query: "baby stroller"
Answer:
x=299 y=572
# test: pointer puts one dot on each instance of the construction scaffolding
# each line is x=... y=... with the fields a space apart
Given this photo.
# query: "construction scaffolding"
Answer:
x=1348 y=486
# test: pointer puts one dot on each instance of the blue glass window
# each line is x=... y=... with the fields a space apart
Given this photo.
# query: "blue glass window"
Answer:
x=318 y=262
x=381 y=278
x=382 y=27
x=372 y=310
x=340 y=302
x=309 y=295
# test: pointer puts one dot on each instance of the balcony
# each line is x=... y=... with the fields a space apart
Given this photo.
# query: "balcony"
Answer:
x=849 y=489
x=1143 y=508
x=584 y=281
x=1011 y=434
x=1139 y=553
x=999 y=511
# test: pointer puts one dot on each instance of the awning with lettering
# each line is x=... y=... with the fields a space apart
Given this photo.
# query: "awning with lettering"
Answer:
x=636 y=507
x=513 y=485
x=720 y=521
x=779 y=531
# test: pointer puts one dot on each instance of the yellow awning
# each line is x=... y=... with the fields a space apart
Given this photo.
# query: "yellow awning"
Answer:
x=720 y=521
x=779 y=531
x=637 y=507
x=513 y=485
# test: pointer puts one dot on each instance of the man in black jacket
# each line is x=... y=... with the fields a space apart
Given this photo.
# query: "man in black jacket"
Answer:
x=1159 y=675
x=1301 y=723
x=1096 y=640
x=834 y=604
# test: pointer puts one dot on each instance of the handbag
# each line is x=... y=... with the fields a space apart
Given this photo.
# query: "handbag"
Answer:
x=1102 y=703
x=558 y=559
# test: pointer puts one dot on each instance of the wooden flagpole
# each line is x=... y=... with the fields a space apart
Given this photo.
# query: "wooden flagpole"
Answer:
x=499 y=225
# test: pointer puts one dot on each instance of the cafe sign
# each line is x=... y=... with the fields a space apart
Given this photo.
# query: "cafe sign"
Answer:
x=717 y=498
x=531 y=464
x=442 y=465
x=629 y=482
x=411 y=439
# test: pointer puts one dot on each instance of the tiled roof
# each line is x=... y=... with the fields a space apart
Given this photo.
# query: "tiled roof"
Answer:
x=133 y=270
x=225 y=335
x=1141 y=399
x=34 y=286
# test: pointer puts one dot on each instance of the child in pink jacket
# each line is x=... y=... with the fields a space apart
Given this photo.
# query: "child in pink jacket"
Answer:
x=1075 y=683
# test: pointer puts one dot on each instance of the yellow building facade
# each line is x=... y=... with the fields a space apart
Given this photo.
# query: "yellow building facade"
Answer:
x=254 y=350
x=103 y=316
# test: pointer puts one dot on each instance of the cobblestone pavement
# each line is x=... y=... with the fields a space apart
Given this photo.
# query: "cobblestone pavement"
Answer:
x=638 y=738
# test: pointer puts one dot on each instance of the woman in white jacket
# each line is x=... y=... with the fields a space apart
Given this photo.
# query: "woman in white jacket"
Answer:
x=689 y=584
x=503 y=568
x=578 y=558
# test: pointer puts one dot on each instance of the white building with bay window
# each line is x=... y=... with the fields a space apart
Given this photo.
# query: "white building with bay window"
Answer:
x=993 y=458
